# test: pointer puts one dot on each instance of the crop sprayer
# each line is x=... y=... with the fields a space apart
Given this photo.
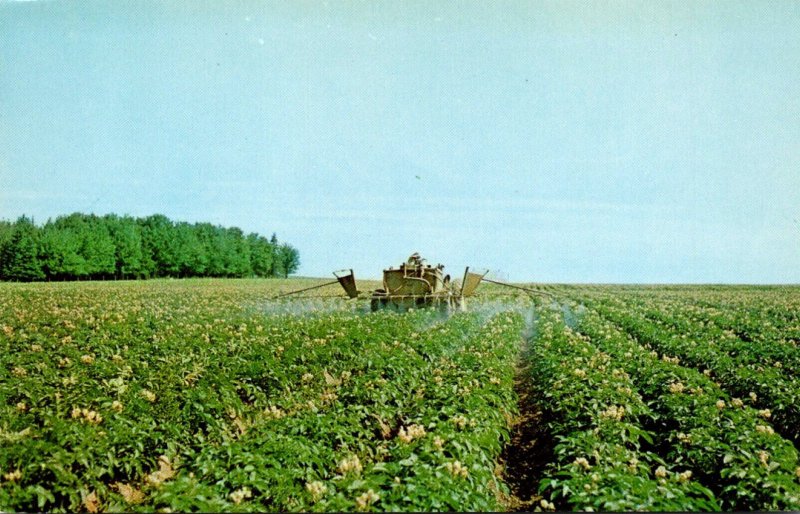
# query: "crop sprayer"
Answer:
x=415 y=284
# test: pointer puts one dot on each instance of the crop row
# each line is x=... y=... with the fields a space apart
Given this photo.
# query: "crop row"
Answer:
x=767 y=385
x=746 y=345
x=192 y=402
x=778 y=322
x=598 y=416
x=730 y=446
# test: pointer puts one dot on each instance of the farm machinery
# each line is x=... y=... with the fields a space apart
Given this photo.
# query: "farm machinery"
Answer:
x=415 y=284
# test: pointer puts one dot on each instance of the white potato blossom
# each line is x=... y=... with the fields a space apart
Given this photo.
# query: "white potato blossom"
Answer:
x=273 y=412
x=12 y=476
x=240 y=494
x=316 y=488
x=460 y=421
x=87 y=415
x=350 y=464
x=613 y=412
x=408 y=434
x=670 y=360
x=676 y=387
x=366 y=499
x=457 y=469
x=582 y=462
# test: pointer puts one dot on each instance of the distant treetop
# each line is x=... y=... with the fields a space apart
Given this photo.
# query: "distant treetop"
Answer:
x=86 y=246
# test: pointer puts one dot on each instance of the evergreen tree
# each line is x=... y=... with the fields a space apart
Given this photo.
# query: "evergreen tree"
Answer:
x=127 y=238
x=158 y=245
x=6 y=231
x=60 y=254
x=278 y=264
x=191 y=256
x=97 y=247
x=239 y=254
x=20 y=255
x=81 y=246
x=209 y=238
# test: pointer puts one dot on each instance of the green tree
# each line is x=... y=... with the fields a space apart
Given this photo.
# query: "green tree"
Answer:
x=209 y=238
x=127 y=238
x=290 y=259
x=97 y=247
x=80 y=246
x=262 y=255
x=159 y=246
x=6 y=231
x=190 y=253
x=20 y=254
x=238 y=256
x=60 y=253
x=278 y=269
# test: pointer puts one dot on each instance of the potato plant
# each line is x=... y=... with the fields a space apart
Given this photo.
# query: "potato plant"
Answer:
x=739 y=374
x=202 y=395
x=137 y=397
x=599 y=415
x=729 y=445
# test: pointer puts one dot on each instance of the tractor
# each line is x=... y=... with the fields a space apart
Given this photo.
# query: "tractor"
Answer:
x=414 y=285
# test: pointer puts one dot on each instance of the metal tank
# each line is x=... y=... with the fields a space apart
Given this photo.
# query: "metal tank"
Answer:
x=413 y=285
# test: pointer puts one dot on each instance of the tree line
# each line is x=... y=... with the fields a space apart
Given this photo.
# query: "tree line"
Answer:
x=86 y=246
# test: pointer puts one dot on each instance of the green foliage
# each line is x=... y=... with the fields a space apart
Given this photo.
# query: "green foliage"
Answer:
x=718 y=437
x=20 y=253
x=289 y=258
x=183 y=397
x=599 y=417
x=196 y=396
x=80 y=246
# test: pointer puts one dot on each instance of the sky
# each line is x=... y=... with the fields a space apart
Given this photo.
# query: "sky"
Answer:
x=566 y=141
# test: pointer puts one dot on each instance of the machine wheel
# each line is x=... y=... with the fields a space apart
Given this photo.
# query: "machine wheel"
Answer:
x=378 y=302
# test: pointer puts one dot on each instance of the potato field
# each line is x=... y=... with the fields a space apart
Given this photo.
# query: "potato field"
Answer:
x=204 y=395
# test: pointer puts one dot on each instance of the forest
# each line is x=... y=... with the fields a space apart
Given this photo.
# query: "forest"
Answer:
x=90 y=247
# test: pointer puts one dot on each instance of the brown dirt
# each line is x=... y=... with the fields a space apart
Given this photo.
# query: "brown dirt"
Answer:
x=526 y=454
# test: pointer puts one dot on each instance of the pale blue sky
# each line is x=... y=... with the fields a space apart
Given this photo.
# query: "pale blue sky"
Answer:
x=549 y=141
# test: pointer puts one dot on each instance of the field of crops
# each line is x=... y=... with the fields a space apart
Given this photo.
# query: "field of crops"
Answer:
x=203 y=395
